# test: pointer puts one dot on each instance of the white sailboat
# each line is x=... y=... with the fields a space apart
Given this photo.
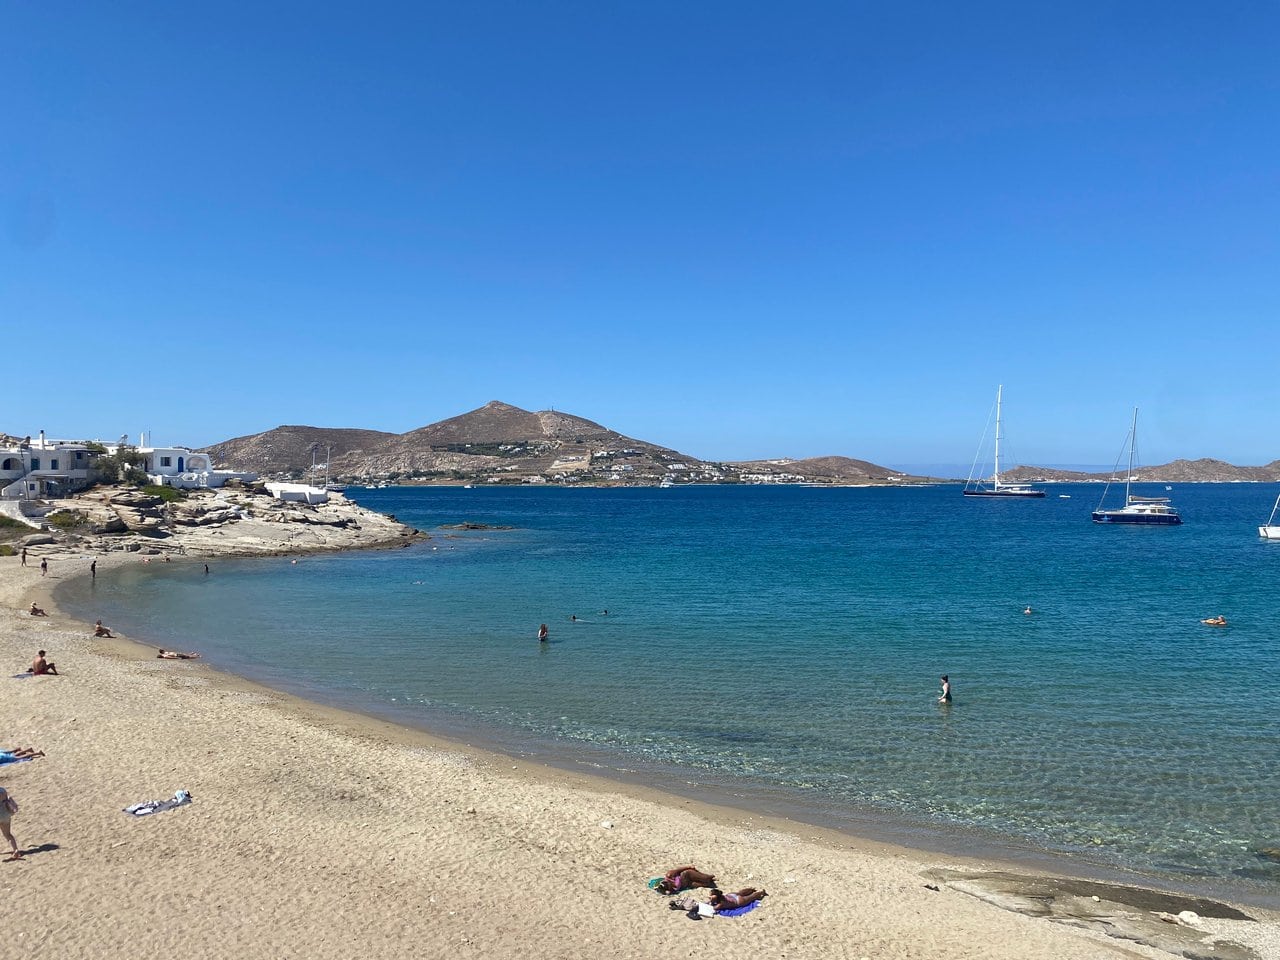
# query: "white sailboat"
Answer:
x=1149 y=511
x=998 y=488
x=1270 y=531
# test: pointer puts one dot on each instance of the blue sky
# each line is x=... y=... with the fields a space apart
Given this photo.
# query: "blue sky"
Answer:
x=739 y=229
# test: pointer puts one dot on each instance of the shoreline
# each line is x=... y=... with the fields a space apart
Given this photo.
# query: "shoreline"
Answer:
x=721 y=800
x=200 y=682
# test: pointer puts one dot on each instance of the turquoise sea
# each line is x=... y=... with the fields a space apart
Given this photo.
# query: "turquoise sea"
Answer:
x=783 y=647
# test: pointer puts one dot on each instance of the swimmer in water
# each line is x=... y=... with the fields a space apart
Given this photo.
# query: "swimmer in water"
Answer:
x=1218 y=621
x=1027 y=611
x=946 y=690
x=542 y=633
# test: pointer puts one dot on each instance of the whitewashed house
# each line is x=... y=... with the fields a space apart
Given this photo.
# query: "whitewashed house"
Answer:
x=42 y=469
x=181 y=467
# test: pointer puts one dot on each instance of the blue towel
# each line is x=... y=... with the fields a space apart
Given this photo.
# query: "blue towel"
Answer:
x=22 y=676
x=10 y=758
x=739 y=911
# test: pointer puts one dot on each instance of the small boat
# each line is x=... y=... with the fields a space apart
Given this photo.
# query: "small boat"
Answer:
x=1064 y=496
x=1269 y=531
x=997 y=488
x=1149 y=511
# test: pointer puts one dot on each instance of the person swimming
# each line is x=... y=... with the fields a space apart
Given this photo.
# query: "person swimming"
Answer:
x=1218 y=621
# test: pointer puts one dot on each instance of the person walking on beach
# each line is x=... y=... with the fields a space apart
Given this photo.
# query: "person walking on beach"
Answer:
x=8 y=807
x=93 y=572
x=946 y=690
x=44 y=566
x=24 y=556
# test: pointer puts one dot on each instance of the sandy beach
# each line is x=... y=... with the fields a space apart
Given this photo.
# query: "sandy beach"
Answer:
x=315 y=832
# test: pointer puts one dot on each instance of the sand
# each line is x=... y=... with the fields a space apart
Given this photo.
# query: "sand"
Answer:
x=319 y=833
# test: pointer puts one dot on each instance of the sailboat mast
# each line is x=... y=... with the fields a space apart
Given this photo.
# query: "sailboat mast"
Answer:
x=996 y=474
x=1133 y=444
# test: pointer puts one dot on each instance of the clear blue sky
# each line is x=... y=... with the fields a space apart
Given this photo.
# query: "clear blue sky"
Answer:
x=741 y=229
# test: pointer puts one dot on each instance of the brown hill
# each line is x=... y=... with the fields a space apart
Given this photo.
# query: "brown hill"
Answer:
x=1204 y=470
x=494 y=443
x=816 y=469
x=289 y=449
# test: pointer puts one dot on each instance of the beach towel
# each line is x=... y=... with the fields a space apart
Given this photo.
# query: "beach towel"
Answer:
x=10 y=758
x=148 y=807
x=22 y=676
x=739 y=911
x=654 y=882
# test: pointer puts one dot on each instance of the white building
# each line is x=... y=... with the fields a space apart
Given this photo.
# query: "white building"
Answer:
x=181 y=467
x=42 y=469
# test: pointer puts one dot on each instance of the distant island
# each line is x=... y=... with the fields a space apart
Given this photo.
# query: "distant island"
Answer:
x=503 y=444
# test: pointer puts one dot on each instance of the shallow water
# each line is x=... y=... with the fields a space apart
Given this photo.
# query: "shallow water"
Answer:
x=790 y=640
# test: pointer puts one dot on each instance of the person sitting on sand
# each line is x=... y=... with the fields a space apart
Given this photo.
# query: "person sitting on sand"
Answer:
x=1218 y=621
x=100 y=631
x=20 y=753
x=41 y=666
x=36 y=611
x=732 y=901
x=174 y=655
x=684 y=878
x=8 y=807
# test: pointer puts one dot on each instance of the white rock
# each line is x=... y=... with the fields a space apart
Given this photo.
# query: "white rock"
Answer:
x=607 y=824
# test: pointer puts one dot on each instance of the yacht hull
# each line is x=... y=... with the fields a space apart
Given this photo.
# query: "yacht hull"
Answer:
x=1017 y=494
x=1144 y=519
x=1269 y=533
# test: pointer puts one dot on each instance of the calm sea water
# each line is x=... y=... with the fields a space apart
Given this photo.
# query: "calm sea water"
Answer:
x=789 y=641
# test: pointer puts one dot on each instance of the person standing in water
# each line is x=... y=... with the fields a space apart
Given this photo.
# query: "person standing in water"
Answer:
x=946 y=690
x=542 y=633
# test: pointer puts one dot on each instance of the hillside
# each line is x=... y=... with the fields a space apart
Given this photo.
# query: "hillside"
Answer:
x=1204 y=470
x=501 y=443
x=814 y=469
x=295 y=448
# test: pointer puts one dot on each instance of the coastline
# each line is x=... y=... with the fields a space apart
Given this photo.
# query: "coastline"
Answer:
x=506 y=827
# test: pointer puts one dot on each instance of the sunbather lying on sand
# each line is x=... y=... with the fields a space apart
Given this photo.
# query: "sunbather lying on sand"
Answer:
x=684 y=878
x=174 y=655
x=20 y=753
x=36 y=611
x=100 y=631
x=732 y=901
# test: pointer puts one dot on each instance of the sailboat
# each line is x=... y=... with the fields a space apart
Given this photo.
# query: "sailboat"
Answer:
x=1270 y=531
x=1153 y=511
x=975 y=488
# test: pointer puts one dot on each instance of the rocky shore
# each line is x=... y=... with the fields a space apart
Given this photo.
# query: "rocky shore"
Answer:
x=237 y=520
